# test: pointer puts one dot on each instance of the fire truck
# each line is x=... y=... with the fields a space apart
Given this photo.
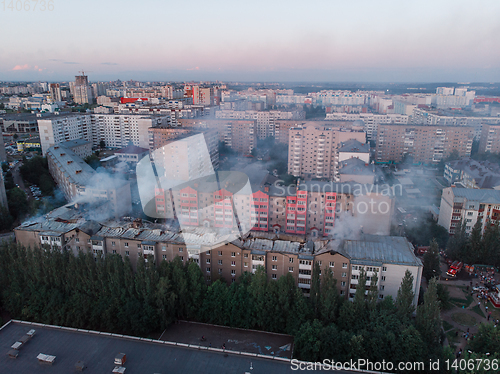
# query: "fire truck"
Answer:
x=454 y=269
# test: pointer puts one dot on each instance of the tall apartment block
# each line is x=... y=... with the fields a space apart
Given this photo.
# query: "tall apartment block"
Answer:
x=490 y=139
x=467 y=205
x=370 y=121
x=55 y=92
x=313 y=150
x=82 y=92
x=265 y=120
x=426 y=144
x=117 y=130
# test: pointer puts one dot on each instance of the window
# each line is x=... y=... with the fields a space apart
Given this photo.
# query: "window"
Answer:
x=245 y=255
x=275 y=258
x=384 y=268
x=344 y=265
x=274 y=276
x=233 y=273
x=320 y=263
x=290 y=269
x=220 y=262
x=126 y=245
x=233 y=254
x=138 y=245
x=233 y=263
x=127 y=253
x=245 y=264
x=163 y=248
x=354 y=276
x=164 y=257
x=220 y=253
x=383 y=277
x=290 y=260
x=180 y=249
x=77 y=240
x=332 y=264
x=344 y=275
x=342 y=284
x=114 y=251
x=220 y=271
x=275 y=267
x=182 y=258
x=208 y=270
x=382 y=288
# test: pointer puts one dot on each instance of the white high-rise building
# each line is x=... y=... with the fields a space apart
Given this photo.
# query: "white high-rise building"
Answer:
x=116 y=130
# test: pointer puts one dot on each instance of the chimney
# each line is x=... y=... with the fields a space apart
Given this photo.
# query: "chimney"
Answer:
x=78 y=172
x=266 y=188
x=69 y=162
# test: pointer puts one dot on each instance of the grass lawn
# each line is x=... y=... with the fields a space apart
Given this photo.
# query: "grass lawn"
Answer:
x=462 y=302
x=447 y=326
x=478 y=310
x=464 y=319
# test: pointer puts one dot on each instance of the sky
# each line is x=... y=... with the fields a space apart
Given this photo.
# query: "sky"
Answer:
x=271 y=40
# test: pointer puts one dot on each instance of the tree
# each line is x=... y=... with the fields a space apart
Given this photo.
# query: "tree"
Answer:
x=404 y=300
x=102 y=144
x=457 y=245
x=18 y=204
x=330 y=299
x=428 y=321
x=475 y=242
x=315 y=295
x=487 y=340
x=6 y=219
x=431 y=261
x=93 y=161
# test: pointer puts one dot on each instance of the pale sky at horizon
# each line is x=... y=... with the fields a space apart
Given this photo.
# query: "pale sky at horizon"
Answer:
x=328 y=40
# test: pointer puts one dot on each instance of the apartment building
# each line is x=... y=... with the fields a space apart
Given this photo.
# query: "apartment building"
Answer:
x=388 y=257
x=82 y=92
x=467 y=205
x=426 y=144
x=79 y=182
x=370 y=121
x=264 y=120
x=313 y=150
x=55 y=92
x=423 y=116
x=312 y=208
x=82 y=148
x=473 y=174
x=490 y=139
x=116 y=130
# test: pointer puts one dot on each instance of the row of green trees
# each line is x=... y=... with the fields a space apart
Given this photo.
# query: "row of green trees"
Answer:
x=478 y=247
x=105 y=294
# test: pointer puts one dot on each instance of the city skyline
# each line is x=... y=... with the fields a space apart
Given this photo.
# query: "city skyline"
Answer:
x=259 y=41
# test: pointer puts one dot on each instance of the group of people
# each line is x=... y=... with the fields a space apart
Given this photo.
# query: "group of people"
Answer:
x=210 y=344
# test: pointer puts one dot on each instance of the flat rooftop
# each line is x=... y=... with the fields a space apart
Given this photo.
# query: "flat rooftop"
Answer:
x=98 y=351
